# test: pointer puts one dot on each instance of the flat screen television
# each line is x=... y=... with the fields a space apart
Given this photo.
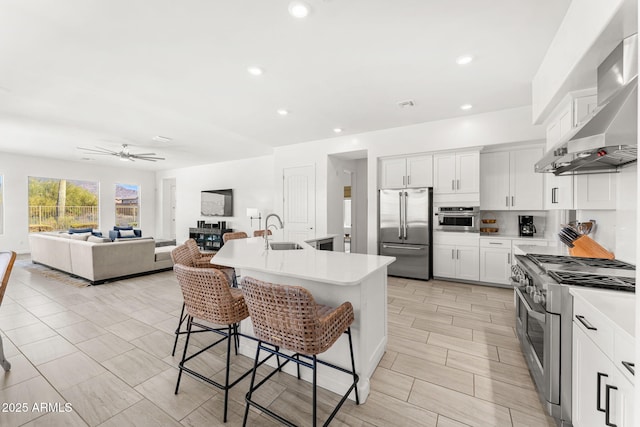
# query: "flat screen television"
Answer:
x=216 y=202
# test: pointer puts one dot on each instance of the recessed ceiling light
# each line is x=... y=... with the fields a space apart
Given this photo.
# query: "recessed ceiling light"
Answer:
x=283 y=112
x=466 y=107
x=255 y=71
x=464 y=59
x=337 y=130
x=298 y=9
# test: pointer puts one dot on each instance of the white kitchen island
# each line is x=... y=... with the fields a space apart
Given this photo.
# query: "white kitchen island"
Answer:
x=332 y=278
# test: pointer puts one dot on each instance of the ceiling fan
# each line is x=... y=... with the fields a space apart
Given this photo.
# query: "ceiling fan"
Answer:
x=124 y=154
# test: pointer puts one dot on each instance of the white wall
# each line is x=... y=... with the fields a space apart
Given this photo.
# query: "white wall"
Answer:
x=252 y=181
x=17 y=168
x=498 y=127
x=359 y=206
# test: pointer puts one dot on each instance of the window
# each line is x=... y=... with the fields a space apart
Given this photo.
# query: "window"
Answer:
x=1 y=206
x=59 y=204
x=127 y=205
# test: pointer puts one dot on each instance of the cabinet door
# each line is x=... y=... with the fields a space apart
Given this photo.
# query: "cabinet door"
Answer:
x=621 y=402
x=420 y=171
x=495 y=265
x=468 y=262
x=494 y=181
x=444 y=173
x=468 y=172
x=558 y=192
x=597 y=191
x=591 y=368
x=444 y=260
x=526 y=186
x=393 y=173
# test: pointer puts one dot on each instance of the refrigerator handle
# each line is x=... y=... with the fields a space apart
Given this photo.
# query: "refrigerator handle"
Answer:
x=400 y=222
x=404 y=220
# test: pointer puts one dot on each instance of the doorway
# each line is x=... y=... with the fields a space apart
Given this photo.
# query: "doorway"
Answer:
x=169 y=208
x=347 y=214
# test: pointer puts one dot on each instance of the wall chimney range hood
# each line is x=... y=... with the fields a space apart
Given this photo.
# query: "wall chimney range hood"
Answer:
x=607 y=139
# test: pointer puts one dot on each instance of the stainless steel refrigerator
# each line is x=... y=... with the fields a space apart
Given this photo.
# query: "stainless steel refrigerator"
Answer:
x=405 y=230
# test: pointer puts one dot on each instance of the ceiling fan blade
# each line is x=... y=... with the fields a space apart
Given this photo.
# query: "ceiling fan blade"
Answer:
x=151 y=159
x=143 y=154
x=98 y=150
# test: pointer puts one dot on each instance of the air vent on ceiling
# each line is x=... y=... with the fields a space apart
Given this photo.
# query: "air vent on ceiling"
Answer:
x=406 y=104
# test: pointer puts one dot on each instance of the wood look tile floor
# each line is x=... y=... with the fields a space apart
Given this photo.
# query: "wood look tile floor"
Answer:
x=452 y=359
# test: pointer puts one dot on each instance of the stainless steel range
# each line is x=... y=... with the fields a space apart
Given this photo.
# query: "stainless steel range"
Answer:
x=544 y=310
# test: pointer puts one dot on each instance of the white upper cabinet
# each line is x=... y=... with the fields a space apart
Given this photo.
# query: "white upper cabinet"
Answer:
x=407 y=172
x=456 y=173
x=508 y=180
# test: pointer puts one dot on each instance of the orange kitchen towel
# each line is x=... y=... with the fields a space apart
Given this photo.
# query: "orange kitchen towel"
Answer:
x=585 y=246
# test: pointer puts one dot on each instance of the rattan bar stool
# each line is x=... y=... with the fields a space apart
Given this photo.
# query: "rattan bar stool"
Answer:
x=6 y=265
x=185 y=255
x=288 y=317
x=234 y=235
x=208 y=297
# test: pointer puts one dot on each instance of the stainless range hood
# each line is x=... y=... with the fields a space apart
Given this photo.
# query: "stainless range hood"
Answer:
x=607 y=139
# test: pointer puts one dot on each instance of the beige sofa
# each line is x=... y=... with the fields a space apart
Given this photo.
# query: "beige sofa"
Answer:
x=99 y=262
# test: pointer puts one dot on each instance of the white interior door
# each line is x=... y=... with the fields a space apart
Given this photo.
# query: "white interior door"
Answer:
x=299 y=191
x=172 y=223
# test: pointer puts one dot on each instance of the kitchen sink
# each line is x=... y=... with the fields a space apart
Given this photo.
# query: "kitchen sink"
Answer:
x=284 y=246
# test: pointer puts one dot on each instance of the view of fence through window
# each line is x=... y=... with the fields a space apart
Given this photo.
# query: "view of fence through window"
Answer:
x=127 y=205
x=59 y=204
x=1 y=206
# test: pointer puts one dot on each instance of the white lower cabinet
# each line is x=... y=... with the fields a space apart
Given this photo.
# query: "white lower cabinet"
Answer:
x=495 y=260
x=601 y=393
x=456 y=255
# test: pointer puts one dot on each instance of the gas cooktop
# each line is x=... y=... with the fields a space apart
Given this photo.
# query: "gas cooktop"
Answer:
x=574 y=278
x=578 y=261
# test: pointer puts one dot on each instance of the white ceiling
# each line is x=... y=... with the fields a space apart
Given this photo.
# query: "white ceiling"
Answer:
x=106 y=72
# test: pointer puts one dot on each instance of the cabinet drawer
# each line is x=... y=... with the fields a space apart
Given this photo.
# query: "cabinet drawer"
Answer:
x=495 y=243
x=529 y=242
x=624 y=351
x=594 y=325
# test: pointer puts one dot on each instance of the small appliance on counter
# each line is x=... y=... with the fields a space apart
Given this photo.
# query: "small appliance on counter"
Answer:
x=526 y=226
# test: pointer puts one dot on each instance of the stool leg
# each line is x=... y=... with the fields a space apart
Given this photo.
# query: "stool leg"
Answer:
x=253 y=380
x=226 y=379
x=175 y=343
x=353 y=364
x=184 y=353
x=3 y=361
x=315 y=368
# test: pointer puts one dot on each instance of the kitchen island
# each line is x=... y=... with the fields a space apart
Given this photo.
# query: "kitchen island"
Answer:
x=332 y=278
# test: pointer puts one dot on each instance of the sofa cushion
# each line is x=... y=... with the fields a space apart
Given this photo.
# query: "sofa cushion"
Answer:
x=163 y=253
x=80 y=236
x=122 y=227
x=96 y=239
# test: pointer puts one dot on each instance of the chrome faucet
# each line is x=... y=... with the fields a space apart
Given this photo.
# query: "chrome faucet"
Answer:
x=266 y=228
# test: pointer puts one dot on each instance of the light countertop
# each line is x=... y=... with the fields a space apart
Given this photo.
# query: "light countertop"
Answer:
x=542 y=250
x=325 y=237
x=619 y=307
x=337 y=268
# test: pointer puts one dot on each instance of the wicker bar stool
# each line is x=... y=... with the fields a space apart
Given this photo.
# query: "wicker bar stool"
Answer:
x=288 y=317
x=234 y=235
x=6 y=265
x=208 y=297
x=185 y=255
x=260 y=233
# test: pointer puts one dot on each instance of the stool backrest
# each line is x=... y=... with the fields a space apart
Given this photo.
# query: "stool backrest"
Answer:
x=6 y=265
x=182 y=255
x=193 y=248
x=234 y=235
x=260 y=233
x=283 y=315
x=207 y=295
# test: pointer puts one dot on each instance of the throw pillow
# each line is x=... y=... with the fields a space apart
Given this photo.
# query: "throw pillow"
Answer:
x=127 y=233
x=80 y=236
x=96 y=239
x=96 y=233
x=122 y=227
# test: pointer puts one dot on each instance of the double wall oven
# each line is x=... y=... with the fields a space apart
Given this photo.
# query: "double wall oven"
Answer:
x=544 y=311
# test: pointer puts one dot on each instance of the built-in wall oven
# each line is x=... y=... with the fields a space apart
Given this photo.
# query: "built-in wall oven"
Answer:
x=458 y=218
